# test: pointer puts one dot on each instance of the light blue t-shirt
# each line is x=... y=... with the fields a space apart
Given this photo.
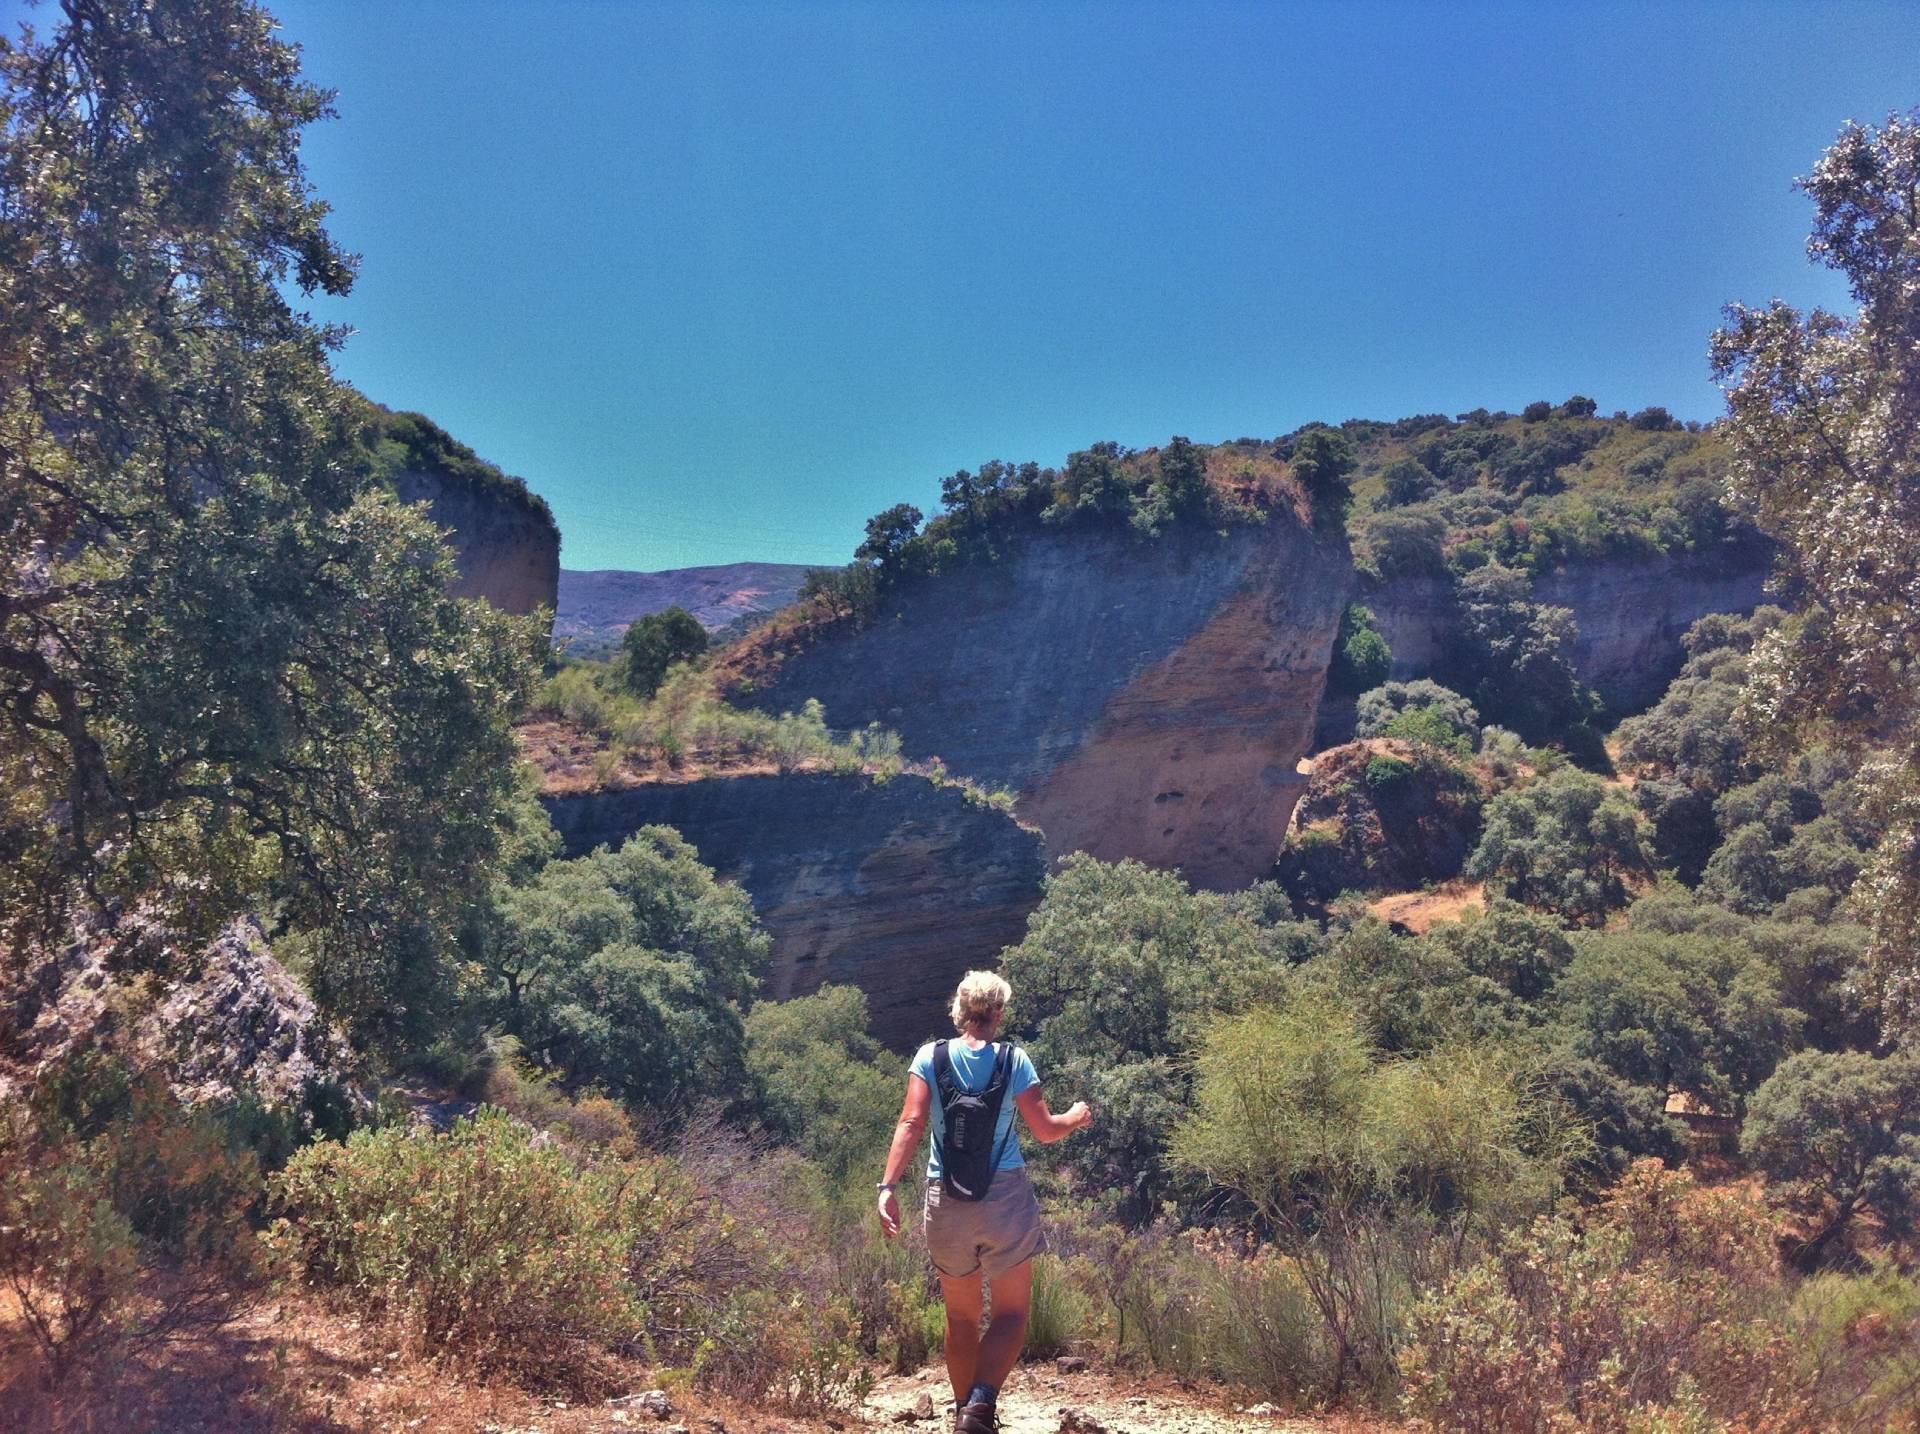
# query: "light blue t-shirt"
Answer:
x=973 y=1069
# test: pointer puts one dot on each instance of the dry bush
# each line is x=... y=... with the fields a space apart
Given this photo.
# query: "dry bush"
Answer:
x=123 y=1220
x=1663 y=1307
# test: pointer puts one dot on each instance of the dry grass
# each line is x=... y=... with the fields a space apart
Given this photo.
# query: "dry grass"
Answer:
x=294 y=1367
x=1419 y=911
x=569 y=760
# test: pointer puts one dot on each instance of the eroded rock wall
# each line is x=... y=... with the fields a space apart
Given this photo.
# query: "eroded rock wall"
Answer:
x=897 y=887
x=507 y=551
x=1144 y=698
x=1631 y=615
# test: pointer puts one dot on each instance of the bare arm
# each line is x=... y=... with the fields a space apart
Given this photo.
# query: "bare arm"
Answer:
x=906 y=1140
x=1045 y=1125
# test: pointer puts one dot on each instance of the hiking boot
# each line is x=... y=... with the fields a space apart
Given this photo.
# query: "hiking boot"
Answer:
x=977 y=1419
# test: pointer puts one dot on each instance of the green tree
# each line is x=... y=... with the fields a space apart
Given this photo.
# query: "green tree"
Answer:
x=1520 y=950
x=1181 y=490
x=1579 y=406
x=1093 y=482
x=1404 y=544
x=1361 y=657
x=1515 y=654
x=1406 y=480
x=1844 y=1127
x=1696 y=1012
x=629 y=969
x=230 y=678
x=888 y=535
x=1121 y=968
x=1823 y=416
x=1564 y=844
x=1322 y=462
x=655 y=642
x=820 y=1079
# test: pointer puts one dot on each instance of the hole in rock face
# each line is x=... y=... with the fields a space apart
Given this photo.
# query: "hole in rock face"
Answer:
x=1170 y=796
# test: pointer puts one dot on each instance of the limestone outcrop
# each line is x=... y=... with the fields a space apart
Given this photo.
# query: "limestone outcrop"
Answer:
x=234 y=1022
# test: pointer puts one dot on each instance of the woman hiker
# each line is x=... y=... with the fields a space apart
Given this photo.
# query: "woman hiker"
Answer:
x=983 y=1223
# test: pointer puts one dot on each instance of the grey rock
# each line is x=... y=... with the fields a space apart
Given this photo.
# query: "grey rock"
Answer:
x=656 y=1403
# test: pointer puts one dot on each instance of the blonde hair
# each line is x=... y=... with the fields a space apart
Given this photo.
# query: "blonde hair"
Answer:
x=980 y=1001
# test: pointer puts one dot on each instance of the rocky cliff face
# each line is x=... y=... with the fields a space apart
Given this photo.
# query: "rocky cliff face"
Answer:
x=897 y=888
x=235 y=1023
x=1631 y=616
x=1143 y=698
x=507 y=549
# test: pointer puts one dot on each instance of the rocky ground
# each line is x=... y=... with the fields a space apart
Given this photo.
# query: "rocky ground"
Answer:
x=1081 y=1397
x=290 y=1364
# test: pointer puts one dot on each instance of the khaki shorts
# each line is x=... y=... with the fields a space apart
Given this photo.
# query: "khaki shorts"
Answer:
x=990 y=1236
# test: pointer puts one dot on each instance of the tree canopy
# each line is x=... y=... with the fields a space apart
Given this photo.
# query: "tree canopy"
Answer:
x=1823 y=415
x=229 y=676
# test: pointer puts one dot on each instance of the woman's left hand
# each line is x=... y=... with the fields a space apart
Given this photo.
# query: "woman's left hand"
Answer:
x=889 y=1213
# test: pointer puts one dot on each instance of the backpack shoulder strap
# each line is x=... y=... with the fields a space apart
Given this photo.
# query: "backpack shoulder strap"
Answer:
x=943 y=1076
x=1002 y=1069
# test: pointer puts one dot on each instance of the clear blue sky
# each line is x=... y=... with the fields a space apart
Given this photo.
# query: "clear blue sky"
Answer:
x=723 y=280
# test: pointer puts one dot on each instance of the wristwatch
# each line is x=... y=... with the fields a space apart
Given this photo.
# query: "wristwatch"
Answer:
x=886 y=1184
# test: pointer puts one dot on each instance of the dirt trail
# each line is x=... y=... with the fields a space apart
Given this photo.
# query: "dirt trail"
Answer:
x=1038 y=1399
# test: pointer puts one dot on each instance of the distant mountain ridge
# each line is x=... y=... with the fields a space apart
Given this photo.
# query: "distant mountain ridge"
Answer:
x=596 y=607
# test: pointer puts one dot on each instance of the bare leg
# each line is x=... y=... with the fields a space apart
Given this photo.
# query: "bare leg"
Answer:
x=1006 y=1332
x=962 y=1298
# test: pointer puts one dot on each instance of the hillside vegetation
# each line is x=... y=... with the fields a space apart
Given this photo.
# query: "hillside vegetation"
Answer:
x=305 y=1021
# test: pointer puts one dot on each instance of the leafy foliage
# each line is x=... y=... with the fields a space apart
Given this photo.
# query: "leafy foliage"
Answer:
x=229 y=674
x=628 y=969
x=1844 y=1127
x=1565 y=844
x=1659 y=1310
x=1361 y=657
x=1440 y=709
x=1823 y=416
x=1513 y=655
x=1696 y=1012
x=654 y=643
x=1294 y=1112
x=819 y=1078
x=483 y=1242
x=1121 y=969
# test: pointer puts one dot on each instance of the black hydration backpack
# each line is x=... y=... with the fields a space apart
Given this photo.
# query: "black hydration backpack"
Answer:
x=968 y=1153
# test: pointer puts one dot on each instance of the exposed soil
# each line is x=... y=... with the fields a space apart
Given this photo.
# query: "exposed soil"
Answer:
x=292 y=1365
x=1418 y=911
x=1041 y=1400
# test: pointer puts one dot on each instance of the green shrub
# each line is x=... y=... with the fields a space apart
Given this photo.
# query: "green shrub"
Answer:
x=1365 y=1170
x=1361 y=657
x=1059 y=1314
x=483 y=1242
x=1857 y=1347
x=1840 y=1130
x=1384 y=772
x=1380 y=707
